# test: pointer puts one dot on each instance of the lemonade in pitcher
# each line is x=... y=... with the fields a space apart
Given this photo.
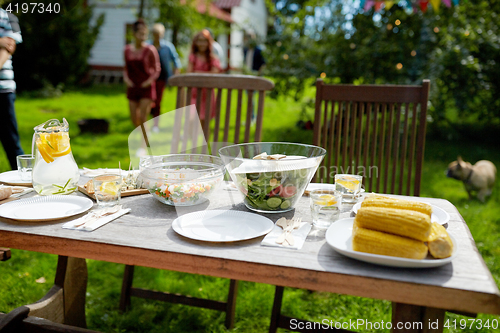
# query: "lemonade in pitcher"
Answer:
x=55 y=170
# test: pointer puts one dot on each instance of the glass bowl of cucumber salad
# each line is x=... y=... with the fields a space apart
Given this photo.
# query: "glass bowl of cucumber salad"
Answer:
x=272 y=176
x=182 y=179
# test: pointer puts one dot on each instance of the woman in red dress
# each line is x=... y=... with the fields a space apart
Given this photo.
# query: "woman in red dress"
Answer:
x=203 y=60
x=142 y=67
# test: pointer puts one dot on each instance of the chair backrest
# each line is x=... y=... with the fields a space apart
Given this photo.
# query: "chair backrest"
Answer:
x=374 y=130
x=221 y=87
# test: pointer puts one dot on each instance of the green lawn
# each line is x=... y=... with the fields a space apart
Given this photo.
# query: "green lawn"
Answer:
x=18 y=275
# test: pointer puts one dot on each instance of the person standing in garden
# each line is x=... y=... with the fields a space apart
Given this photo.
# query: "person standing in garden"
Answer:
x=170 y=65
x=253 y=60
x=203 y=60
x=252 y=54
x=10 y=36
x=142 y=68
x=218 y=50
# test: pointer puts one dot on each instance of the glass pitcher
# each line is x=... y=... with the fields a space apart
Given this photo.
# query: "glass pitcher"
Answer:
x=55 y=170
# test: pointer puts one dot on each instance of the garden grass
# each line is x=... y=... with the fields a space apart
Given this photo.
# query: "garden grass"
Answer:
x=18 y=275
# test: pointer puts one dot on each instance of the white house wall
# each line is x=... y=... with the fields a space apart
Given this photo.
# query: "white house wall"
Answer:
x=249 y=15
x=108 y=48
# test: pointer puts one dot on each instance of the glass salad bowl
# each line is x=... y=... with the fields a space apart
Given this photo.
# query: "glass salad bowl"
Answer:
x=273 y=183
x=182 y=179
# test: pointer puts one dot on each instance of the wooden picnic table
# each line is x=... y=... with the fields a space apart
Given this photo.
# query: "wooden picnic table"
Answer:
x=144 y=237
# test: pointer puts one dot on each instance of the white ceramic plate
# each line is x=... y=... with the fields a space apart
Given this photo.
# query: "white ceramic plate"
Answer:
x=47 y=208
x=439 y=215
x=339 y=236
x=12 y=178
x=222 y=225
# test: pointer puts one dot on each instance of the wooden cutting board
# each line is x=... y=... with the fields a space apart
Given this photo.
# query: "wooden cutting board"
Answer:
x=126 y=193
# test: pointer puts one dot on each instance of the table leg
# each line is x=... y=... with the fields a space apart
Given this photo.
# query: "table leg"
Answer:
x=416 y=319
x=128 y=277
x=75 y=289
x=65 y=301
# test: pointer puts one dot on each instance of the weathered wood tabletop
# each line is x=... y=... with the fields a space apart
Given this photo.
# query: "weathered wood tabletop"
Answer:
x=145 y=237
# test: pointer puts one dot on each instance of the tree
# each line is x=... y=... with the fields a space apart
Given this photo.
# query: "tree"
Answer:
x=56 y=44
x=184 y=19
x=466 y=57
x=457 y=48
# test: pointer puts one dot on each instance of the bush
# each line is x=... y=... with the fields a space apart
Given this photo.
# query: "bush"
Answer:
x=55 y=46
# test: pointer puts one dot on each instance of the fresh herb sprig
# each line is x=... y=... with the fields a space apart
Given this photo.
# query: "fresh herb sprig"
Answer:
x=62 y=189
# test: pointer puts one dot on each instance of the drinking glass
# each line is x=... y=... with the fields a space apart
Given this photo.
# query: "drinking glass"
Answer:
x=25 y=166
x=107 y=189
x=349 y=186
x=325 y=207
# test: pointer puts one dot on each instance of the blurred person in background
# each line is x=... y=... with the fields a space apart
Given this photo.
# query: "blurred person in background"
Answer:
x=252 y=54
x=253 y=60
x=203 y=60
x=10 y=36
x=142 y=68
x=170 y=65
x=218 y=51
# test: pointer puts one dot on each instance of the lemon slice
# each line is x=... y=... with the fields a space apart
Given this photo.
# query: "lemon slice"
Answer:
x=326 y=200
x=42 y=148
x=53 y=145
x=62 y=153
x=110 y=188
x=351 y=184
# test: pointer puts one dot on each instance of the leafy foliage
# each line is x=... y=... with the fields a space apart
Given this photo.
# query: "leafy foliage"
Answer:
x=466 y=56
x=185 y=20
x=457 y=48
x=56 y=45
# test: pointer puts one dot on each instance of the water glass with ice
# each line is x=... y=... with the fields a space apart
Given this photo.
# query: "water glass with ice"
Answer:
x=325 y=207
x=107 y=189
x=349 y=186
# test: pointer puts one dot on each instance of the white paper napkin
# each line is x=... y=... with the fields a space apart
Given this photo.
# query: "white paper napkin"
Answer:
x=93 y=225
x=26 y=190
x=299 y=236
x=96 y=172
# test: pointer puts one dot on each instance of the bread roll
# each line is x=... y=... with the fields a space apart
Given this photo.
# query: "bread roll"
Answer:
x=5 y=192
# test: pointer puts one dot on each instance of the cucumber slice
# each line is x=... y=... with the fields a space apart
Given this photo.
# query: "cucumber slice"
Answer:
x=274 y=202
x=285 y=204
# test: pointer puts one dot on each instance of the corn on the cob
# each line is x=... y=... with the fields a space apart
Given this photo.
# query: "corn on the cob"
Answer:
x=376 y=242
x=439 y=242
x=375 y=200
x=406 y=223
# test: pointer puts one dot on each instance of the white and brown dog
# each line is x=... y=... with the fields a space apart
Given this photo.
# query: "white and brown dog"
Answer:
x=479 y=177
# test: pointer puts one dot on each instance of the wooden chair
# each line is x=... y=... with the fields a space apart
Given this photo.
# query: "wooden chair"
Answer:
x=18 y=321
x=374 y=130
x=62 y=308
x=218 y=129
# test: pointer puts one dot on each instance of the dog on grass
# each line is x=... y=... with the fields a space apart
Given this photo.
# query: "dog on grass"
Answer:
x=479 y=177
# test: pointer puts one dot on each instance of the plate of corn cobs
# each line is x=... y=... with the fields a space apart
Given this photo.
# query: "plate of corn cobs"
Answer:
x=438 y=215
x=393 y=232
